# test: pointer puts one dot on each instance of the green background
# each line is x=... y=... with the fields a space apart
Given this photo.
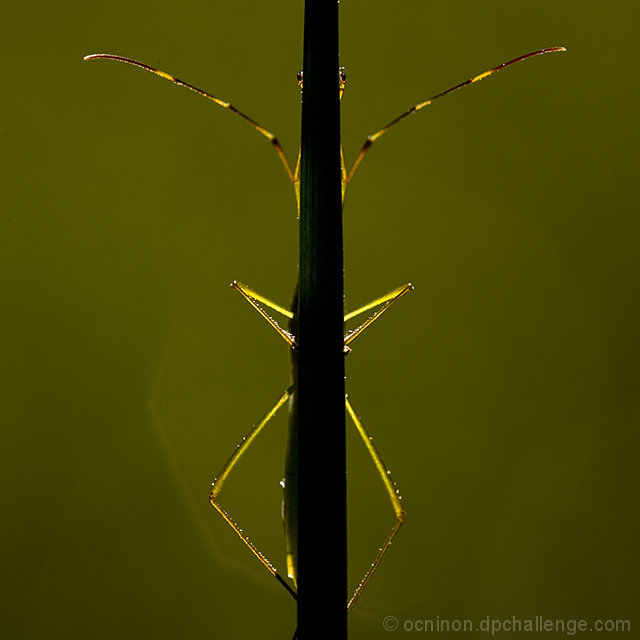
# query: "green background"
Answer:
x=503 y=393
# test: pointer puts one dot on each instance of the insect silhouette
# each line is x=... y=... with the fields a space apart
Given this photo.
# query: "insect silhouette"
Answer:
x=265 y=307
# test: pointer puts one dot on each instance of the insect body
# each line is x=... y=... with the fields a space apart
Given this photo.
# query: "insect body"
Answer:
x=264 y=306
x=290 y=478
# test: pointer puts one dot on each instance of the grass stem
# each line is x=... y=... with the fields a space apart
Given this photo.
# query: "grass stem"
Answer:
x=322 y=540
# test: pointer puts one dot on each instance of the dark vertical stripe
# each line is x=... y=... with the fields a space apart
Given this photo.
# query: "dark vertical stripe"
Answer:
x=322 y=538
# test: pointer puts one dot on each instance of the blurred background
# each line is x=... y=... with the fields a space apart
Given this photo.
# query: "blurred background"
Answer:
x=503 y=393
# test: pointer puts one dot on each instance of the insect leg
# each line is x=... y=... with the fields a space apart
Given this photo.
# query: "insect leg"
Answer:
x=384 y=302
x=254 y=299
x=218 y=483
x=394 y=496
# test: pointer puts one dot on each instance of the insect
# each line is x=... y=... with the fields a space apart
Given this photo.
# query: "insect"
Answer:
x=265 y=307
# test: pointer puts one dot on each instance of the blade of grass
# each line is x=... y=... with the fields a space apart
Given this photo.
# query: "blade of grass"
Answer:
x=322 y=540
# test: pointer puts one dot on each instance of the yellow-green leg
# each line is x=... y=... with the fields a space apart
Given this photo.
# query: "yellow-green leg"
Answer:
x=384 y=302
x=394 y=496
x=256 y=300
x=218 y=483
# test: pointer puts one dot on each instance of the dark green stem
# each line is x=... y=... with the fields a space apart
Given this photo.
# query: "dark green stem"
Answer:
x=322 y=540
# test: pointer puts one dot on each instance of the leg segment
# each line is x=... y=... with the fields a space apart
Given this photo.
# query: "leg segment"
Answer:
x=254 y=299
x=226 y=470
x=394 y=496
x=384 y=302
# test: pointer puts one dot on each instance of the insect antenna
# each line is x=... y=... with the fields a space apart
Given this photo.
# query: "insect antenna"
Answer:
x=374 y=136
x=225 y=105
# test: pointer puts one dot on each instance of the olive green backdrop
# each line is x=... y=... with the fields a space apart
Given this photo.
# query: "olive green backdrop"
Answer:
x=503 y=393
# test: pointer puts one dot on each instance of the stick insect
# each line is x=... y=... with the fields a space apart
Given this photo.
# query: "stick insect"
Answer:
x=264 y=307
